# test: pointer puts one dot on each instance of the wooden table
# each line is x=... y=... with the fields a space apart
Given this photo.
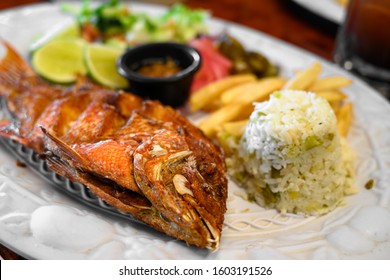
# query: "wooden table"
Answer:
x=279 y=18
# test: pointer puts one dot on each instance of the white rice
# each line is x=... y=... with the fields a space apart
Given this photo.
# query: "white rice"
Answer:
x=291 y=156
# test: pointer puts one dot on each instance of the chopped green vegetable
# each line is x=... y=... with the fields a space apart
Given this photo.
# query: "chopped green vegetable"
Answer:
x=277 y=94
x=251 y=197
x=312 y=142
x=112 y=18
x=239 y=176
x=275 y=173
x=329 y=136
x=269 y=196
x=370 y=184
x=293 y=194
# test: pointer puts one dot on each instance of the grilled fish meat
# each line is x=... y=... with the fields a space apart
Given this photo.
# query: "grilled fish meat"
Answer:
x=142 y=157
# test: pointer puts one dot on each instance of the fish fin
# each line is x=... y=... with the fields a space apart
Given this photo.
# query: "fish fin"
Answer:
x=125 y=200
x=13 y=68
x=65 y=148
x=61 y=167
x=9 y=130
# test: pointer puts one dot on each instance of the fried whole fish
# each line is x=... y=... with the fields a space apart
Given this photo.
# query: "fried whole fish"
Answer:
x=139 y=156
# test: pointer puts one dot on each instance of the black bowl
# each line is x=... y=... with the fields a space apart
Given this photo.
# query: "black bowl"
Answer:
x=171 y=90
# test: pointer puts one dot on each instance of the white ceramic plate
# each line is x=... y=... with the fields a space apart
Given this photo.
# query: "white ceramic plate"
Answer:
x=39 y=222
x=328 y=9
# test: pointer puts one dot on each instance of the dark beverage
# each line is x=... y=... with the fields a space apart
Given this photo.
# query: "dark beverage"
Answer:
x=363 y=42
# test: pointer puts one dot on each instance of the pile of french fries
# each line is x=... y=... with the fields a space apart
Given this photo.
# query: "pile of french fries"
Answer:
x=230 y=100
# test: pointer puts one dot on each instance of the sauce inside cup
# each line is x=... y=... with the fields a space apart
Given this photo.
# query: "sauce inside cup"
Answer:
x=161 y=71
x=159 y=68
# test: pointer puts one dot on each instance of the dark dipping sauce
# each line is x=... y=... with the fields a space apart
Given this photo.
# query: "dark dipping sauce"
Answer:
x=161 y=71
x=159 y=68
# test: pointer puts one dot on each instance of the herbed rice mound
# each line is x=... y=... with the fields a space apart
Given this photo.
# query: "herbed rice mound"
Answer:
x=291 y=156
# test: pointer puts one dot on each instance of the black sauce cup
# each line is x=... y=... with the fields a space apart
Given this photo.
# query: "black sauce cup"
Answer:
x=172 y=90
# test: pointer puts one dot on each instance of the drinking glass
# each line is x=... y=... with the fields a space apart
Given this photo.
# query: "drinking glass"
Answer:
x=363 y=42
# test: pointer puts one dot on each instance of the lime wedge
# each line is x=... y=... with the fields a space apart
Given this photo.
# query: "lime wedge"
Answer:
x=71 y=31
x=60 y=60
x=101 y=65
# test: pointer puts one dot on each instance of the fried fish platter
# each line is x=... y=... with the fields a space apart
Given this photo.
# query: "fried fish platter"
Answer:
x=143 y=158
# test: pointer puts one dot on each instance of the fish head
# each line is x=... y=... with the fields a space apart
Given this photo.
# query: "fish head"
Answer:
x=165 y=170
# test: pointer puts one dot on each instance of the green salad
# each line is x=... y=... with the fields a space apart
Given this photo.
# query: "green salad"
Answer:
x=107 y=29
x=115 y=21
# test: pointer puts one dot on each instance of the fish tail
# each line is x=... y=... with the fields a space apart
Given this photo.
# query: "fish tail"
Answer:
x=13 y=69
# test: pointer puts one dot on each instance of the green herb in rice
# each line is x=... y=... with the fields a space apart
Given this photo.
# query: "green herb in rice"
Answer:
x=291 y=156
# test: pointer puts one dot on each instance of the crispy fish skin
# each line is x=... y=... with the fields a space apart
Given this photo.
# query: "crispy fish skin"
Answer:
x=139 y=156
x=35 y=103
x=96 y=121
x=129 y=202
x=163 y=168
x=110 y=156
x=209 y=159
x=166 y=174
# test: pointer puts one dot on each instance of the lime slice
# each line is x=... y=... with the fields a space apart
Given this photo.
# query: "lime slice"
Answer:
x=72 y=31
x=60 y=60
x=101 y=64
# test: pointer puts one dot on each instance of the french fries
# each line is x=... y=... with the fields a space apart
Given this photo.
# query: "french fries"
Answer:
x=253 y=91
x=223 y=115
x=231 y=94
x=344 y=118
x=241 y=106
x=230 y=100
x=234 y=128
x=303 y=79
x=329 y=83
x=332 y=95
x=212 y=106
x=213 y=91
x=262 y=90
